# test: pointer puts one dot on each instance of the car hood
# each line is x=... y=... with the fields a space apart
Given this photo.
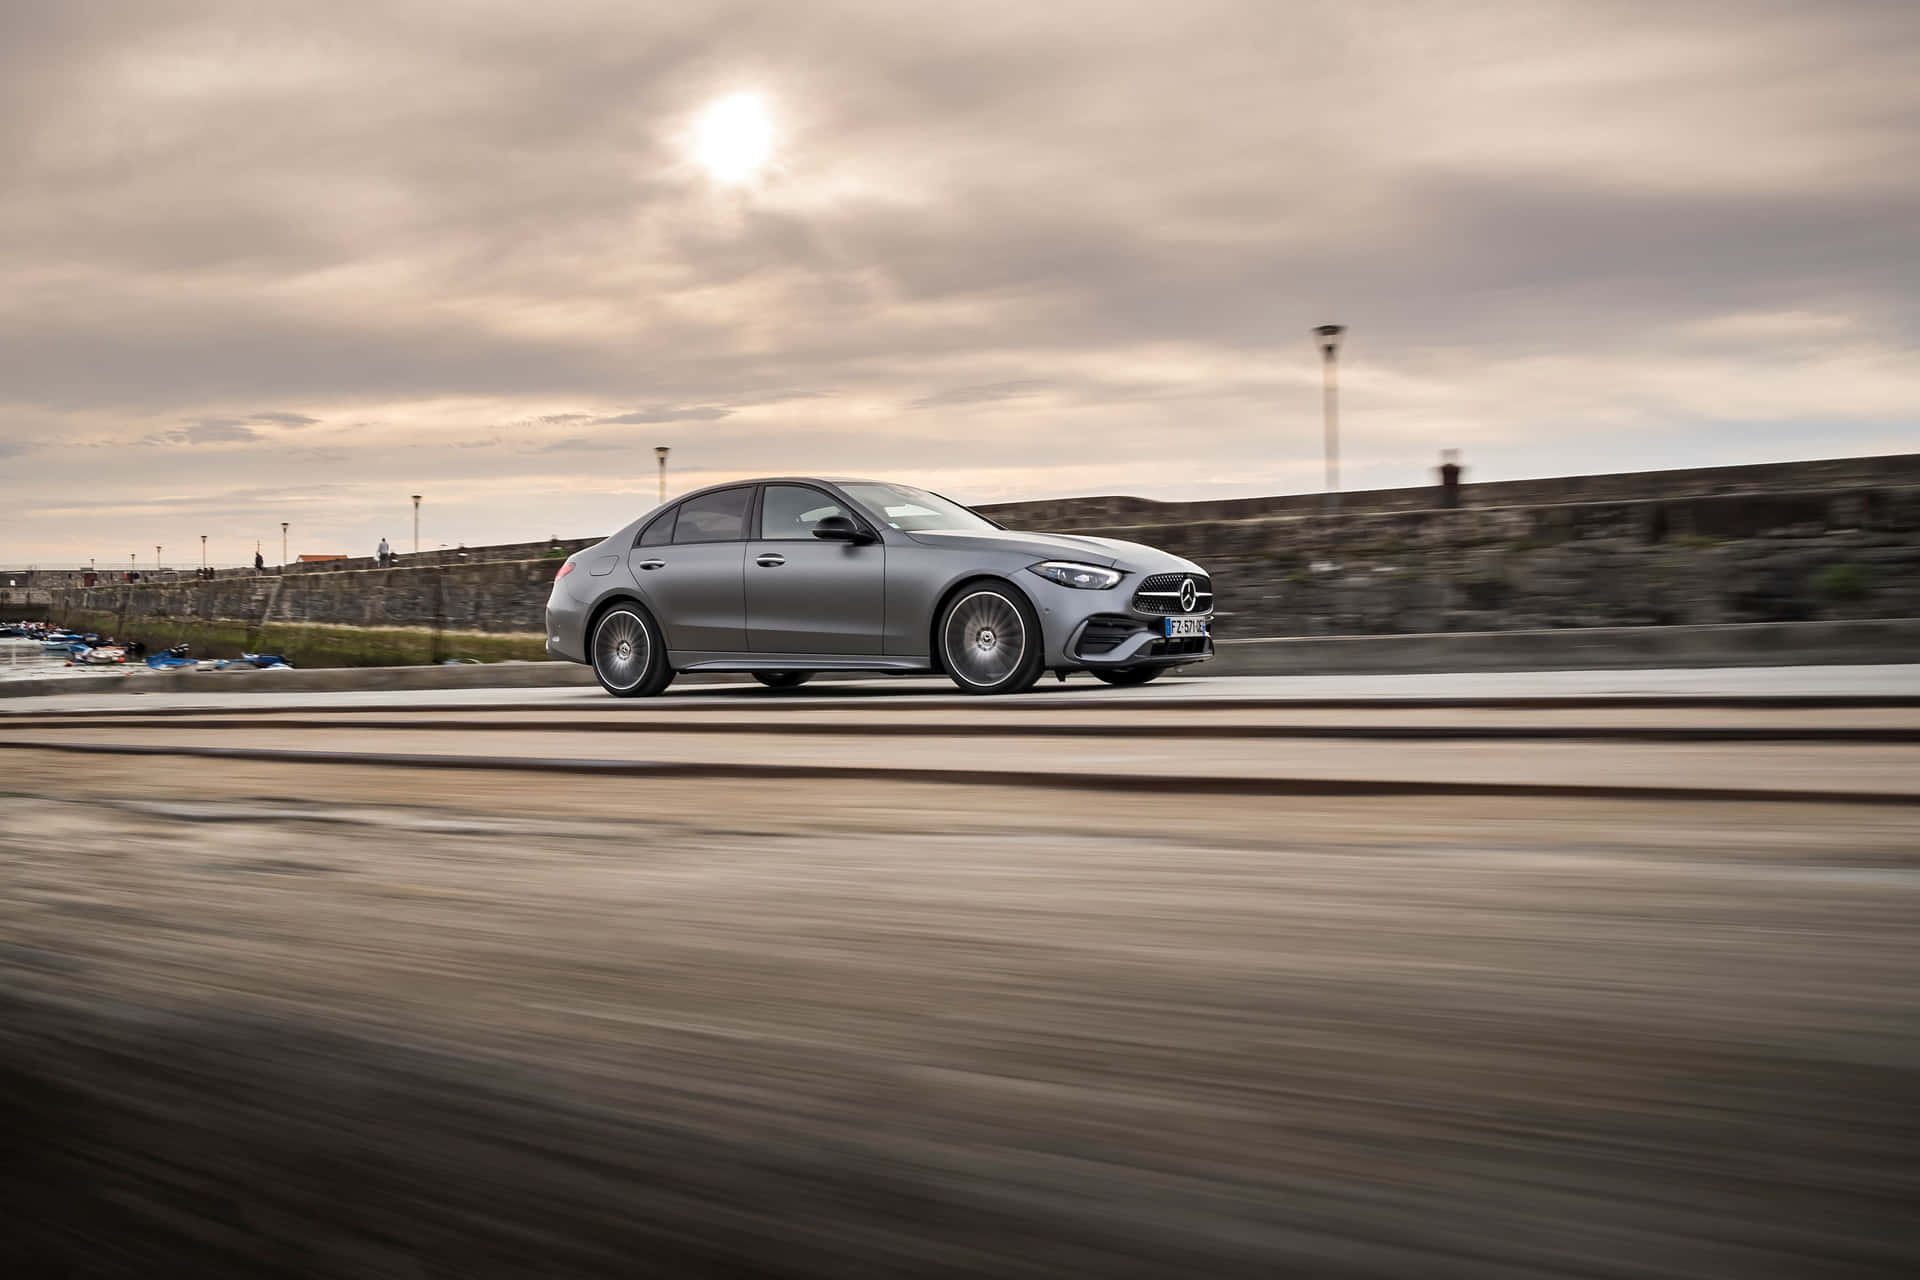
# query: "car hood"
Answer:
x=1060 y=546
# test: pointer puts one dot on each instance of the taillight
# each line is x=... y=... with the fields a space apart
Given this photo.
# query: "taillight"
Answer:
x=565 y=569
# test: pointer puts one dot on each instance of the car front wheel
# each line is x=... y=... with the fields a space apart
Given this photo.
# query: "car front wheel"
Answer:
x=990 y=640
x=629 y=656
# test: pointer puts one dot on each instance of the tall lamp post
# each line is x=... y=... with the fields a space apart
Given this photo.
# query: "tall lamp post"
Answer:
x=203 y=553
x=416 y=524
x=156 y=559
x=283 y=544
x=1328 y=336
x=661 y=451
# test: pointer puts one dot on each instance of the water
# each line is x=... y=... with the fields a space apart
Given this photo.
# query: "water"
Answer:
x=22 y=659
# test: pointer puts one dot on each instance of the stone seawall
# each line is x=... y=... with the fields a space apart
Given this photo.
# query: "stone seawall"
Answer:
x=1742 y=558
x=1844 y=548
x=1831 y=475
x=359 y=617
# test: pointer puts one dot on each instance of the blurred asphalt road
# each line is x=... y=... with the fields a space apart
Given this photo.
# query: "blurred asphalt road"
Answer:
x=273 y=1018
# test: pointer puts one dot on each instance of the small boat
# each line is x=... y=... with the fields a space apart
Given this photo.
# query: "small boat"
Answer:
x=172 y=659
x=99 y=655
x=256 y=661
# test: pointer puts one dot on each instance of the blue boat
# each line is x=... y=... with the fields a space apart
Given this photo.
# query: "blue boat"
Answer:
x=172 y=659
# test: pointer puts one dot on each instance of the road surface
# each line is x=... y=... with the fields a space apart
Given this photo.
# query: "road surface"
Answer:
x=1569 y=990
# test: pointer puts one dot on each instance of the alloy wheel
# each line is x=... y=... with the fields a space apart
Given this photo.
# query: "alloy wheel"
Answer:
x=985 y=638
x=622 y=650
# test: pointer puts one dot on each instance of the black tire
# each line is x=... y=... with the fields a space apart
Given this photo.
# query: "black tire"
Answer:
x=1126 y=677
x=628 y=654
x=990 y=640
x=783 y=679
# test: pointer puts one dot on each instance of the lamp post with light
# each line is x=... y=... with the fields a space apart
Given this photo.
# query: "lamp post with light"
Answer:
x=416 y=524
x=1328 y=338
x=203 y=555
x=283 y=544
x=156 y=558
x=661 y=451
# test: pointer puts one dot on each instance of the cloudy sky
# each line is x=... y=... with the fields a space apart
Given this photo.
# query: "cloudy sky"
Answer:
x=267 y=262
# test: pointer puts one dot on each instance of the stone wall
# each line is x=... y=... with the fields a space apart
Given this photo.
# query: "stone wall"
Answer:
x=488 y=609
x=1723 y=545
x=1741 y=558
x=1831 y=474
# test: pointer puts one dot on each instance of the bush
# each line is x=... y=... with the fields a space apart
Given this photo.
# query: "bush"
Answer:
x=1843 y=581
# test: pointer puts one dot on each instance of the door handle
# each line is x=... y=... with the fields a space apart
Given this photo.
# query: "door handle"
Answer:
x=770 y=561
x=653 y=564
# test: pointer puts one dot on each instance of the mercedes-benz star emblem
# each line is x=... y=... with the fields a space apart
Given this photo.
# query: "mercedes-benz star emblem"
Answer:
x=1188 y=595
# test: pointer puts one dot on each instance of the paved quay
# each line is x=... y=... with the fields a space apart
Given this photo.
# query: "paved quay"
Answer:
x=1551 y=975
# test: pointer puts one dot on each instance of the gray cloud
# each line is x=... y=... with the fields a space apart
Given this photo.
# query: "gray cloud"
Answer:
x=206 y=431
x=577 y=444
x=667 y=413
x=1602 y=233
x=985 y=394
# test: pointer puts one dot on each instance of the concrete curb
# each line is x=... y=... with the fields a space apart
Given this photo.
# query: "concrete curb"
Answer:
x=1744 y=644
x=1135 y=783
x=491 y=675
x=412 y=722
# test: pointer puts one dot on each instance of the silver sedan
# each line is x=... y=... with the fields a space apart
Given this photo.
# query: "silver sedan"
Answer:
x=787 y=577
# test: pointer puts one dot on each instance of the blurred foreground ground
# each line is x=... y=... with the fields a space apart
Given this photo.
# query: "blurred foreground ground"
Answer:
x=342 y=1020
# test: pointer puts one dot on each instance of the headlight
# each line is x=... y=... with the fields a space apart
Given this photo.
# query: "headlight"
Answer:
x=1088 y=577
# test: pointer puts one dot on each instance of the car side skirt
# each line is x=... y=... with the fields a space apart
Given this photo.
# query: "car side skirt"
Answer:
x=794 y=662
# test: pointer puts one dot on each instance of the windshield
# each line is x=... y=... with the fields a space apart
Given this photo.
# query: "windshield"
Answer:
x=916 y=510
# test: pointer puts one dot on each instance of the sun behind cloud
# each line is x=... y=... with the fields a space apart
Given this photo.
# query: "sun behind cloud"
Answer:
x=733 y=138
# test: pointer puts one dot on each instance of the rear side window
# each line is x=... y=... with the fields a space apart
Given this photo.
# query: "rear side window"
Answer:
x=791 y=511
x=714 y=517
x=660 y=532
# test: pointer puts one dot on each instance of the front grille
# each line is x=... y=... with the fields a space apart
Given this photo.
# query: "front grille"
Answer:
x=1105 y=633
x=1160 y=593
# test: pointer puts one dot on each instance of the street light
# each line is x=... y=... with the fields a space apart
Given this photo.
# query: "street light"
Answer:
x=416 y=524
x=203 y=553
x=283 y=544
x=661 y=451
x=1328 y=336
x=156 y=558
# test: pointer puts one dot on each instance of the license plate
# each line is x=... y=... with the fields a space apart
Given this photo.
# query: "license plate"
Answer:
x=1177 y=627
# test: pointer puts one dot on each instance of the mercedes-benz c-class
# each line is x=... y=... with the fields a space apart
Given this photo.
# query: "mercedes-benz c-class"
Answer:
x=786 y=578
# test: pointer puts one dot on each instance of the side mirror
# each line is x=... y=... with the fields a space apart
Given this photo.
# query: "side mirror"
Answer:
x=841 y=529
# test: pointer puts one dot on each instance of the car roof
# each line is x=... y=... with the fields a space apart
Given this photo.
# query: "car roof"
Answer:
x=736 y=484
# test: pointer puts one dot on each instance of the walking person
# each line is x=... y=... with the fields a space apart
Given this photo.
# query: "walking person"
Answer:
x=259 y=561
x=385 y=555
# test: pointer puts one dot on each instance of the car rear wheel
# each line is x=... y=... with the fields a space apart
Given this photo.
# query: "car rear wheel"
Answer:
x=629 y=657
x=783 y=679
x=990 y=640
x=1126 y=676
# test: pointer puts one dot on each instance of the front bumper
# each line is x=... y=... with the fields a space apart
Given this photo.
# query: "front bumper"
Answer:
x=1079 y=624
x=1098 y=642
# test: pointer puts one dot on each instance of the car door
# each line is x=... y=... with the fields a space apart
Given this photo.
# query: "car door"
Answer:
x=688 y=563
x=809 y=596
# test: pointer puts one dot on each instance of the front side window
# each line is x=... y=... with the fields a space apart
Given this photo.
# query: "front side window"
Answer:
x=916 y=510
x=714 y=517
x=790 y=511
